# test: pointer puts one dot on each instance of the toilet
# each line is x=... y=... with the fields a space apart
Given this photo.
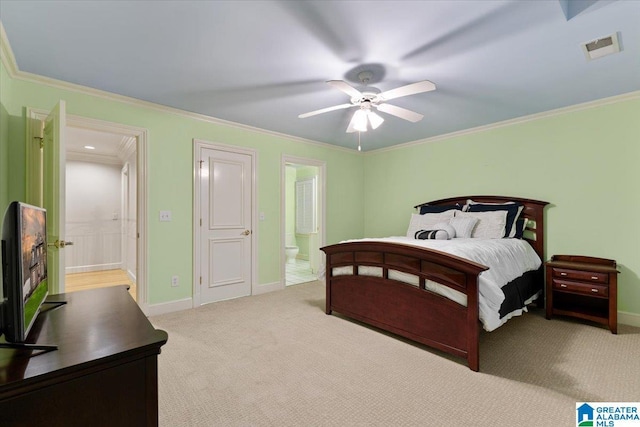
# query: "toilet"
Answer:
x=290 y=253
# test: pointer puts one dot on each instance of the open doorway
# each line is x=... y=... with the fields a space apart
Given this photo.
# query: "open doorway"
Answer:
x=135 y=172
x=100 y=210
x=303 y=219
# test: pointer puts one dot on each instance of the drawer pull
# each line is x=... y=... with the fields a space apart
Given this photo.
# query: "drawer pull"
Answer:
x=594 y=290
x=594 y=277
x=563 y=286
x=563 y=274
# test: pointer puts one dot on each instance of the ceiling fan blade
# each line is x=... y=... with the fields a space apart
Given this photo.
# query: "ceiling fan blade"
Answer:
x=346 y=88
x=411 y=89
x=403 y=113
x=325 y=110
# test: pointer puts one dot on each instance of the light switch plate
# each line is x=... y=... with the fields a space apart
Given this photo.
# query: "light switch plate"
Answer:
x=165 y=215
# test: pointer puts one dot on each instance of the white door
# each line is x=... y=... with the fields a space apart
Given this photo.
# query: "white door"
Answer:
x=54 y=194
x=226 y=182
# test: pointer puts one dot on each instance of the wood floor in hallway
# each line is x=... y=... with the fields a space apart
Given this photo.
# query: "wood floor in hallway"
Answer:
x=98 y=279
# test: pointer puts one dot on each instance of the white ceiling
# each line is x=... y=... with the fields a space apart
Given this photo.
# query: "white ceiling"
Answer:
x=262 y=63
x=108 y=148
x=104 y=143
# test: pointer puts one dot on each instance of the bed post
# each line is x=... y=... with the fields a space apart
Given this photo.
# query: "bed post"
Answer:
x=327 y=283
x=473 y=329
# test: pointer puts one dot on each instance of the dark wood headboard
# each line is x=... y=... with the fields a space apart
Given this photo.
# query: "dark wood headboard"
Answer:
x=533 y=211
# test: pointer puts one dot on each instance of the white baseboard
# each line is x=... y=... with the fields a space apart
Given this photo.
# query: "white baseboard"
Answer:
x=167 y=307
x=132 y=276
x=95 y=267
x=267 y=287
x=631 y=319
x=187 y=303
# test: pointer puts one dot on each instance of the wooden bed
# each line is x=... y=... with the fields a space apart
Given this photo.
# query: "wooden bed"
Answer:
x=413 y=311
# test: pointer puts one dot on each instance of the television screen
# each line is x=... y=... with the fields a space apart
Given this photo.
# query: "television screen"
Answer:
x=24 y=247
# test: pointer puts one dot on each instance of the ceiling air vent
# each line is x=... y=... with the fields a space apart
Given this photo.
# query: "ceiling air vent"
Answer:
x=601 y=47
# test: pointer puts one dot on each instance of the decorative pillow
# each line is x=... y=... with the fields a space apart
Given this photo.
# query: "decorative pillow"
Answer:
x=446 y=227
x=521 y=224
x=513 y=212
x=491 y=225
x=431 y=234
x=463 y=226
x=427 y=221
x=437 y=209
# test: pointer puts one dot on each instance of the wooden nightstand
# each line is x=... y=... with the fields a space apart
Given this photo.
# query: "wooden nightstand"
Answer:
x=583 y=287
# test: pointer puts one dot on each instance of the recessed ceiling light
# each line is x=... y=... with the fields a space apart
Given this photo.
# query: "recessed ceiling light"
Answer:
x=89 y=147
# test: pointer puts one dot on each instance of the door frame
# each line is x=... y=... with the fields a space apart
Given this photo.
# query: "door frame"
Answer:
x=198 y=144
x=322 y=196
x=35 y=115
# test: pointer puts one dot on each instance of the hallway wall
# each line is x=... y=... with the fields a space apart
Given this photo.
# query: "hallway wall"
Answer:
x=93 y=219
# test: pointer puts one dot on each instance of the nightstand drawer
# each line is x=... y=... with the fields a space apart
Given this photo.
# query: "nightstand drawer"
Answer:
x=585 y=276
x=581 y=288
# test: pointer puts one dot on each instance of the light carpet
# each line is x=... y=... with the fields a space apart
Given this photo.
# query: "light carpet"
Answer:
x=278 y=360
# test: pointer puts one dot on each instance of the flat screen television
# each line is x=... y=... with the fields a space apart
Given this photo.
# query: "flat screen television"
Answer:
x=24 y=269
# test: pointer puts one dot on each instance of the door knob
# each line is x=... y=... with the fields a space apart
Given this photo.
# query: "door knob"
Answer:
x=60 y=244
x=246 y=232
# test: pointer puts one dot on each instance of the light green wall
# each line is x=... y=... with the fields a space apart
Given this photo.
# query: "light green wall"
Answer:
x=170 y=178
x=12 y=175
x=290 y=204
x=4 y=158
x=585 y=163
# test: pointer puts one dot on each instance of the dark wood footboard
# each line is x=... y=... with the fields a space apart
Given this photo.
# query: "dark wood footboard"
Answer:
x=404 y=309
x=411 y=310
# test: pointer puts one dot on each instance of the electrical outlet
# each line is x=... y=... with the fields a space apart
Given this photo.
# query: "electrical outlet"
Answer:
x=174 y=281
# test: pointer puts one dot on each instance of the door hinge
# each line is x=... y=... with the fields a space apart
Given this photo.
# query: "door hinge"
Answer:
x=201 y=162
x=201 y=280
x=200 y=222
x=40 y=133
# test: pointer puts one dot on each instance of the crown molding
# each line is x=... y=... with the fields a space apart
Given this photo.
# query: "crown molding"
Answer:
x=126 y=147
x=6 y=54
x=9 y=62
x=93 y=158
x=518 y=120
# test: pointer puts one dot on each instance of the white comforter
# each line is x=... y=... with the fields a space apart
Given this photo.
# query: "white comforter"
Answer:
x=507 y=260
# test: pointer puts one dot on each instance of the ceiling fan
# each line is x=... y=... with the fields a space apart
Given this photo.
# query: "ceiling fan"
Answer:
x=370 y=98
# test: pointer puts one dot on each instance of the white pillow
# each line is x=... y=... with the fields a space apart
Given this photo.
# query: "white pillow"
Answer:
x=463 y=226
x=490 y=224
x=446 y=227
x=513 y=230
x=427 y=221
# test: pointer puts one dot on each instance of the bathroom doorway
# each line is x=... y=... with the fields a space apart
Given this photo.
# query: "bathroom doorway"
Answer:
x=303 y=219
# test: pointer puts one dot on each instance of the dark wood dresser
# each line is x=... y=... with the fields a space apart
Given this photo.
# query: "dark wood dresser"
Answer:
x=104 y=372
x=583 y=287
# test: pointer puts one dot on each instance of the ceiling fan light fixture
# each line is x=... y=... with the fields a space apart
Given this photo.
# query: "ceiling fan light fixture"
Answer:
x=374 y=119
x=359 y=120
